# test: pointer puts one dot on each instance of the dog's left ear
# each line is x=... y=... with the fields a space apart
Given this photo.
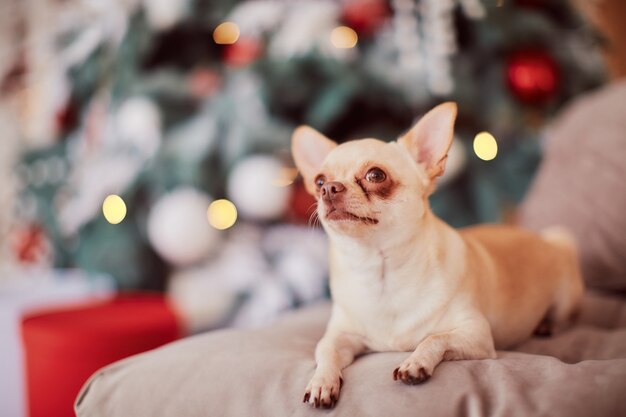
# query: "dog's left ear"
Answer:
x=309 y=148
x=429 y=140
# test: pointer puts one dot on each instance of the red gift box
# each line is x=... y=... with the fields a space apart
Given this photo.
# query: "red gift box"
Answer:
x=63 y=347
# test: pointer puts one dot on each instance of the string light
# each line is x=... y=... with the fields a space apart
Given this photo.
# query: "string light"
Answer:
x=343 y=37
x=222 y=214
x=226 y=33
x=114 y=209
x=485 y=146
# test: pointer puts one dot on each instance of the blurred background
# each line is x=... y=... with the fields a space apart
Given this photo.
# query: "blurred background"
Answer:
x=145 y=143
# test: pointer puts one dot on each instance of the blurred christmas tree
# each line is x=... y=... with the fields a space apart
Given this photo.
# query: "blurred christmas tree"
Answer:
x=171 y=105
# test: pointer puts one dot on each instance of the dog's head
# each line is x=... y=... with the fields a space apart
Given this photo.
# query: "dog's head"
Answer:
x=368 y=186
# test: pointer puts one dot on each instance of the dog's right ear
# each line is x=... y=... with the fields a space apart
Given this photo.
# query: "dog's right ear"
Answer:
x=429 y=141
x=309 y=149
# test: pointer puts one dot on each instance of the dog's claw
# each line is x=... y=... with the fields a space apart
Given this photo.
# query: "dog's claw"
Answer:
x=333 y=401
x=323 y=391
x=406 y=377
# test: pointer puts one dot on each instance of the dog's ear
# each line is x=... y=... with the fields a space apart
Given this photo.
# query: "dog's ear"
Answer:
x=309 y=149
x=430 y=138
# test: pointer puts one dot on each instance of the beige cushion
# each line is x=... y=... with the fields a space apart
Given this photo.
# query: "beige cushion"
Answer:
x=581 y=183
x=264 y=373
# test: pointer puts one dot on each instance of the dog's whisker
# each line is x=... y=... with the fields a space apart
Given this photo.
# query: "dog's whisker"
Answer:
x=312 y=206
x=313 y=220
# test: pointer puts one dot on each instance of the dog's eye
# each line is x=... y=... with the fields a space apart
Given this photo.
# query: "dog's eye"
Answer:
x=319 y=181
x=375 y=175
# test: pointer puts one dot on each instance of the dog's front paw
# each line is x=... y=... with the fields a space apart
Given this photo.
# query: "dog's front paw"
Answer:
x=411 y=372
x=323 y=390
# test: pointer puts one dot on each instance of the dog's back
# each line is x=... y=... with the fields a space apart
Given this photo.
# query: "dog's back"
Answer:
x=522 y=267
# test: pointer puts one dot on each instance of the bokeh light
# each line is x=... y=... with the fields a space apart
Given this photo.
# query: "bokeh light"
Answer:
x=226 y=33
x=222 y=214
x=114 y=209
x=343 y=37
x=485 y=146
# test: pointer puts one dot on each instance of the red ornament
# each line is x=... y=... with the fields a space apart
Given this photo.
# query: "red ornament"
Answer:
x=533 y=76
x=30 y=245
x=243 y=52
x=65 y=118
x=302 y=205
x=365 y=16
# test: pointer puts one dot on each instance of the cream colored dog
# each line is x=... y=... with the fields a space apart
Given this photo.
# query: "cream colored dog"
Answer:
x=403 y=280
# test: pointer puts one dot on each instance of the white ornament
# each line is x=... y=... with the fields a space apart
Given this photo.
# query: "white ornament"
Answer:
x=301 y=255
x=257 y=17
x=439 y=44
x=306 y=276
x=473 y=9
x=407 y=35
x=178 y=228
x=268 y=299
x=138 y=122
x=207 y=294
x=284 y=237
x=244 y=243
x=254 y=187
x=201 y=297
x=297 y=27
x=163 y=14
x=425 y=39
x=306 y=26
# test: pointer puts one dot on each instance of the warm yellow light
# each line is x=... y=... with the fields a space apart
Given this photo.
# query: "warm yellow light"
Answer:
x=485 y=146
x=343 y=37
x=226 y=33
x=114 y=209
x=222 y=214
x=285 y=177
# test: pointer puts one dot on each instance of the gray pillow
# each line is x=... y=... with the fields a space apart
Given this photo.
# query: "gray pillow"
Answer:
x=581 y=184
x=264 y=373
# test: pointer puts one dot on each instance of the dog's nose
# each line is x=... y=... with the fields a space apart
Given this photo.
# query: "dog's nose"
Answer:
x=332 y=188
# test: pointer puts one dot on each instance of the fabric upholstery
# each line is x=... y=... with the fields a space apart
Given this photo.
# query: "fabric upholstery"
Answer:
x=581 y=372
x=581 y=183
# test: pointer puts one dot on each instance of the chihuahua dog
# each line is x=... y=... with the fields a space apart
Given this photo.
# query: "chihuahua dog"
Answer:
x=403 y=280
